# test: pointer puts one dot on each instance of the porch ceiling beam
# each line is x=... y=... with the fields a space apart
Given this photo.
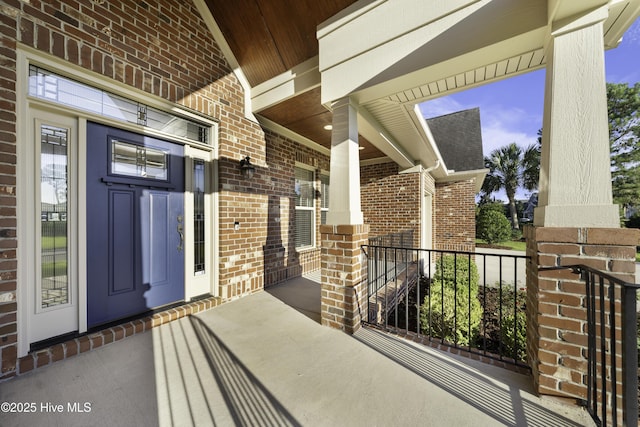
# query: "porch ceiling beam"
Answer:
x=455 y=37
x=300 y=79
x=287 y=133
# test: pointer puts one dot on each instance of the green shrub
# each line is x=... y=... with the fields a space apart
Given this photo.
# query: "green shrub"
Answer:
x=451 y=321
x=492 y=225
x=452 y=310
x=454 y=271
x=516 y=235
x=512 y=333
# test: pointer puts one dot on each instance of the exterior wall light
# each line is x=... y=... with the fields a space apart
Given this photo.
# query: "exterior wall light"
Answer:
x=247 y=169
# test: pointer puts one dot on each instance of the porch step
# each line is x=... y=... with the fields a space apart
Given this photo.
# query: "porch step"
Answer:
x=391 y=292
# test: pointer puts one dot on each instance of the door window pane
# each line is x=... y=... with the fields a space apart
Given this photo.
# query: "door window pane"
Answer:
x=53 y=215
x=138 y=161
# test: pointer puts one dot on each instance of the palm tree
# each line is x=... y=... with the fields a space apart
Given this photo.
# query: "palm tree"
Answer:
x=510 y=168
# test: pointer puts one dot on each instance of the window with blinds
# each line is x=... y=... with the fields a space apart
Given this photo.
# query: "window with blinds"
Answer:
x=324 y=201
x=305 y=208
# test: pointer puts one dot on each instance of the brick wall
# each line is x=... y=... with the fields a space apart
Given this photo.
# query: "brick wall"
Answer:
x=390 y=201
x=556 y=300
x=455 y=216
x=281 y=260
x=344 y=290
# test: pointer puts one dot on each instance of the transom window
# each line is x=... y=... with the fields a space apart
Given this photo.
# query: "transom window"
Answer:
x=46 y=85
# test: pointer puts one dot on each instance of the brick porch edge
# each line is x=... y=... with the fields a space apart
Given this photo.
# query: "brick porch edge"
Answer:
x=95 y=340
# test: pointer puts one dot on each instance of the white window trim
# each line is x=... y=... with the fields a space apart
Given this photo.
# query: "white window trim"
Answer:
x=299 y=165
x=322 y=174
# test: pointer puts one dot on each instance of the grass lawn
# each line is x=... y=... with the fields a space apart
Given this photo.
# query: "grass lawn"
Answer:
x=515 y=245
x=51 y=242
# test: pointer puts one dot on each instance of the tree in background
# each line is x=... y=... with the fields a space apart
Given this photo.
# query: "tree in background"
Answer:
x=623 y=103
x=492 y=225
x=511 y=167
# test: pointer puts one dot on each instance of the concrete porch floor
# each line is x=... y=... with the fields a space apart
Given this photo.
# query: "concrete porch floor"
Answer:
x=256 y=361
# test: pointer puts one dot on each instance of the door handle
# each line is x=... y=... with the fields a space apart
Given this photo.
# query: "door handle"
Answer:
x=180 y=233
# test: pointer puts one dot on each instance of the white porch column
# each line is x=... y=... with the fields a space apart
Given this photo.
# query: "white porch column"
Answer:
x=344 y=191
x=575 y=176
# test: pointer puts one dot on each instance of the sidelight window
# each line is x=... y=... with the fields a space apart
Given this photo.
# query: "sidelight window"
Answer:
x=53 y=216
x=199 y=216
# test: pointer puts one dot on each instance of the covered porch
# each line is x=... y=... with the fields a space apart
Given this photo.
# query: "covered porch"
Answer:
x=258 y=361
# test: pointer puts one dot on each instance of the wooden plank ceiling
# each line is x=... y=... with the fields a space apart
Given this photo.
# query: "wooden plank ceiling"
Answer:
x=269 y=37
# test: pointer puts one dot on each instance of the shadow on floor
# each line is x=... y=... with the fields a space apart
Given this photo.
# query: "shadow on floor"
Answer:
x=302 y=294
x=248 y=401
x=508 y=404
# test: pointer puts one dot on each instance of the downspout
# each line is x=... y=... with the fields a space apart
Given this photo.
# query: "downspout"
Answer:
x=433 y=167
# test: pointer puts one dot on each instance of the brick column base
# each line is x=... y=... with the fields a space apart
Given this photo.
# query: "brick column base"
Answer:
x=343 y=276
x=556 y=300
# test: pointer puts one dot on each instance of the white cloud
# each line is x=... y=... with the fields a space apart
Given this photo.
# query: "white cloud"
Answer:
x=494 y=137
x=502 y=126
x=632 y=36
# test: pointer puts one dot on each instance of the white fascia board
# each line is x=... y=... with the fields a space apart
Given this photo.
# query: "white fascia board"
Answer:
x=477 y=174
x=377 y=135
x=287 y=133
x=300 y=79
x=582 y=19
x=624 y=18
x=212 y=25
x=429 y=141
x=376 y=161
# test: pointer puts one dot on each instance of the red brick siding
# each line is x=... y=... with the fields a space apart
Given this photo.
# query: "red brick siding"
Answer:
x=556 y=300
x=390 y=201
x=455 y=216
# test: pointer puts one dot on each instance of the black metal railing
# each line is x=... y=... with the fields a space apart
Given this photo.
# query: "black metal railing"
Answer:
x=468 y=300
x=401 y=239
x=612 y=364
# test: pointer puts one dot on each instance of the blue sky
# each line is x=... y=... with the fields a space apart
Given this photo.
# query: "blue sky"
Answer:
x=511 y=109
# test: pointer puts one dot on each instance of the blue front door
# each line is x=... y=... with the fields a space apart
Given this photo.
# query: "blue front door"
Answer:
x=135 y=220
